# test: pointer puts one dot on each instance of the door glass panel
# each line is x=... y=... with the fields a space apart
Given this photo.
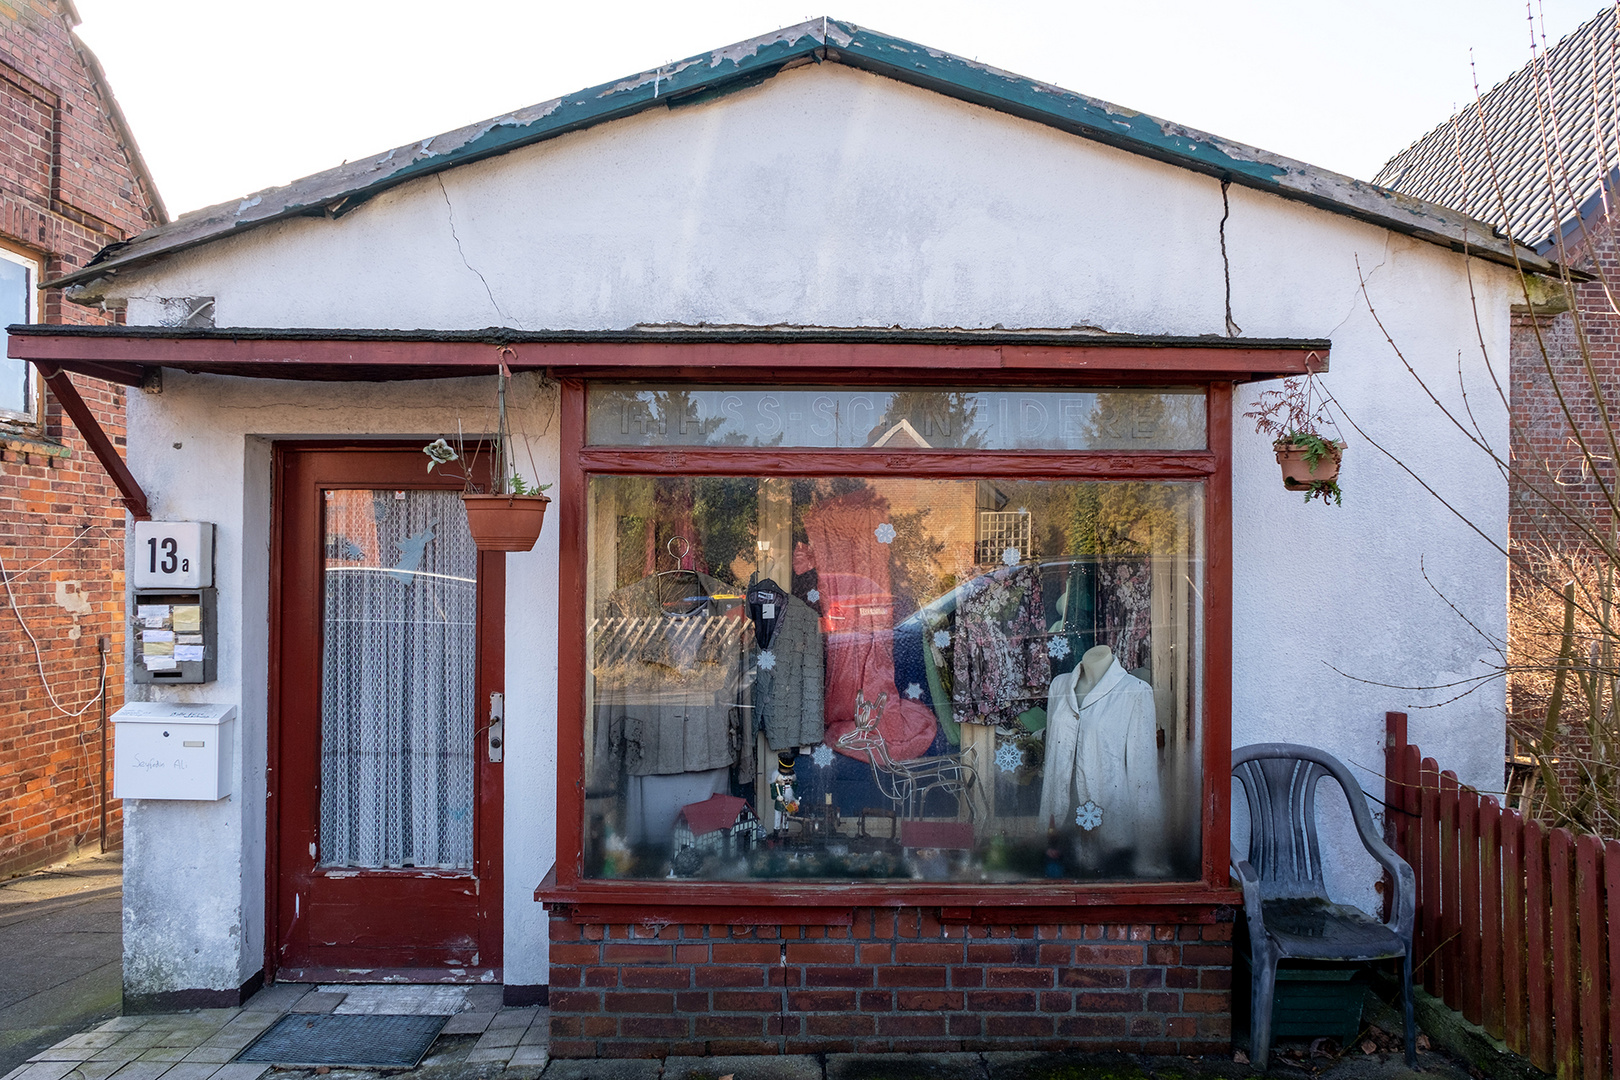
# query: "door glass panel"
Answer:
x=397 y=680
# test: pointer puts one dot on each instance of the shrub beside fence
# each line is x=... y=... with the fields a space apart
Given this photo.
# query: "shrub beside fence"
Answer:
x=1513 y=919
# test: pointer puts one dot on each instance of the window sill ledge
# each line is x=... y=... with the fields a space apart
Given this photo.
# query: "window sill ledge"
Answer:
x=831 y=904
x=17 y=441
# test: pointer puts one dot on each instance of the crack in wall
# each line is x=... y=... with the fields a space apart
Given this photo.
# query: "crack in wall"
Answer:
x=1232 y=328
x=1359 y=300
x=450 y=212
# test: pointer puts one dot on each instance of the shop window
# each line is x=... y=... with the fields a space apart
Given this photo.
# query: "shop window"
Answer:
x=976 y=677
x=20 y=396
x=896 y=419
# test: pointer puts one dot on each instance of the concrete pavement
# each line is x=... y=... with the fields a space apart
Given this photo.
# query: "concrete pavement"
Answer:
x=61 y=947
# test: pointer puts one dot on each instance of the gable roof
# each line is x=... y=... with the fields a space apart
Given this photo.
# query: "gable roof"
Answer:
x=1536 y=154
x=335 y=192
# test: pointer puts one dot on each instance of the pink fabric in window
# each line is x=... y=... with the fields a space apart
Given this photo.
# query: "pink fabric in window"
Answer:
x=857 y=609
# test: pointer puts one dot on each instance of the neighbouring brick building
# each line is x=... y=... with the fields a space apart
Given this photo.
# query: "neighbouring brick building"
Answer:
x=71 y=182
x=1535 y=158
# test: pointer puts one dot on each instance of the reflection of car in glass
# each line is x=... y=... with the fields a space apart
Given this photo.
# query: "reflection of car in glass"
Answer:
x=852 y=600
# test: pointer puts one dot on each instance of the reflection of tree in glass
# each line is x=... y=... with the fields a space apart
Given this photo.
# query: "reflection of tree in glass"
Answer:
x=940 y=417
x=678 y=412
x=617 y=415
x=915 y=575
x=1131 y=419
x=726 y=512
x=1097 y=518
x=634 y=533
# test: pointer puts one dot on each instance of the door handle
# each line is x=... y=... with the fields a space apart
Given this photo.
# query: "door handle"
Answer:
x=497 y=717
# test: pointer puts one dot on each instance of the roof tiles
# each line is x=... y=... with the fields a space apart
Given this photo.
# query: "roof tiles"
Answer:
x=1537 y=153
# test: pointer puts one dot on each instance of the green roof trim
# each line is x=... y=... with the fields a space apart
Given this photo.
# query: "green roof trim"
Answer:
x=335 y=192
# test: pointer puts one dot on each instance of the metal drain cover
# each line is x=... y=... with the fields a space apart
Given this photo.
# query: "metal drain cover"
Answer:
x=394 y=1042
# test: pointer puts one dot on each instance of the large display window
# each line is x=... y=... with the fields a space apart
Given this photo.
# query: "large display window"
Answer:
x=983 y=675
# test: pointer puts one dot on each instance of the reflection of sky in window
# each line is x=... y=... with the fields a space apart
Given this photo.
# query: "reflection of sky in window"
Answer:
x=13 y=309
x=831 y=417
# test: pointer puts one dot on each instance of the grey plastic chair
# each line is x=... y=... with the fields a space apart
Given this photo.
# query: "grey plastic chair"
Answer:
x=1290 y=916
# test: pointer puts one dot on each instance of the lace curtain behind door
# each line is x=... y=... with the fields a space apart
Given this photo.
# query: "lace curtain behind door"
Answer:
x=397 y=681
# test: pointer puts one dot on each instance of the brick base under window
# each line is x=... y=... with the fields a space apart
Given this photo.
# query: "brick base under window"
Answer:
x=896 y=980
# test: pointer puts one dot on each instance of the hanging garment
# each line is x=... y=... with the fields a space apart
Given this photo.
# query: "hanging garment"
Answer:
x=1102 y=765
x=668 y=686
x=1000 y=666
x=852 y=572
x=790 y=675
x=1125 y=592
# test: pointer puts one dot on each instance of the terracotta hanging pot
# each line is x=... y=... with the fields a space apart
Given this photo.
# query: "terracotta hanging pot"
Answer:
x=505 y=522
x=1298 y=475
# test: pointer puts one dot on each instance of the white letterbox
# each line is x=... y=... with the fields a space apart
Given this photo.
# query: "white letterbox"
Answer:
x=173 y=750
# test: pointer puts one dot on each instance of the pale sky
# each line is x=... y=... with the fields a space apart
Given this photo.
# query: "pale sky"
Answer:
x=230 y=96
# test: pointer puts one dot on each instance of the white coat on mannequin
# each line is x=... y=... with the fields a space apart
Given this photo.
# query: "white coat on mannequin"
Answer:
x=1102 y=747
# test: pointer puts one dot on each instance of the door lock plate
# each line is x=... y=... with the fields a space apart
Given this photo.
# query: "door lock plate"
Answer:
x=497 y=718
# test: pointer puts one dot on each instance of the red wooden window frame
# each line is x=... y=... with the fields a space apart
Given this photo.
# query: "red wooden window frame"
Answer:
x=707 y=900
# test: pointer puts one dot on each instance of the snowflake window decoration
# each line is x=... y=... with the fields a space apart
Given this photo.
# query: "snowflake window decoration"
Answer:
x=1008 y=757
x=884 y=533
x=1057 y=648
x=942 y=638
x=767 y=660
x=1012 y=556
x=814 y=596
x=1088 y=815
x=913 y=691
x=822 y=756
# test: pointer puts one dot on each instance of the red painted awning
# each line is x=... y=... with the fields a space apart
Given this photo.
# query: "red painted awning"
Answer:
x=127 y=355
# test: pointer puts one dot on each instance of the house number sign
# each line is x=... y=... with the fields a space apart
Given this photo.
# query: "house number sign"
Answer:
x=173 y=555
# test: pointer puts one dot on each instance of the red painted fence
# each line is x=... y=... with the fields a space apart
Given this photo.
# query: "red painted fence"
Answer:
x=1513 y=918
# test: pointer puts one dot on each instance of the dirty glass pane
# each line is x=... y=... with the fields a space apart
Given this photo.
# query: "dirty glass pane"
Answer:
x=15 y=399
x=893 y=678
x=645 y=414
x=397 y=671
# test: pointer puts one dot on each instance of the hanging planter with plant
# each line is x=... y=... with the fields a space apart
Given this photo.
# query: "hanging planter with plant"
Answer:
x=1297 y=419
x=508 y=518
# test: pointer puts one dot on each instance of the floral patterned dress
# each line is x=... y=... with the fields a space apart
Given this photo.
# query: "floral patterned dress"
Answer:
x=1000 y=666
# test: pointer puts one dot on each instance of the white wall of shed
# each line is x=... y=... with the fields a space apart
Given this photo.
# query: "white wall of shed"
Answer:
x=828 y=196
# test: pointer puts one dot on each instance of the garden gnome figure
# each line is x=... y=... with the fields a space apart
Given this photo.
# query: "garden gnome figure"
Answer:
x=784 y=796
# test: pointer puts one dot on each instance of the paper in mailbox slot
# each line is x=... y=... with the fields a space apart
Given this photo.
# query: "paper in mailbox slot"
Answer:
x=172 y=633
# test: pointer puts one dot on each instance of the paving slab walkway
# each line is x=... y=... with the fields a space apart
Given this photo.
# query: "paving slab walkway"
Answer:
x=480 y=1037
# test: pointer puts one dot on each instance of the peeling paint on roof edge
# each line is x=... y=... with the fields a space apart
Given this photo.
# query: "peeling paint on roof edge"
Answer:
x=336 y=191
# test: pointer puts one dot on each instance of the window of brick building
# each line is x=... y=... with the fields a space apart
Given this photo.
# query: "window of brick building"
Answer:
x=20 y=396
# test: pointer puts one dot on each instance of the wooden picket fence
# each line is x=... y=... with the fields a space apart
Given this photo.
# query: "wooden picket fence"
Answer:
x=1513 y=918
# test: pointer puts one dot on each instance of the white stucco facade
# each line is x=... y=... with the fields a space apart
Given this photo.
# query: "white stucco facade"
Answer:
x=831 y=197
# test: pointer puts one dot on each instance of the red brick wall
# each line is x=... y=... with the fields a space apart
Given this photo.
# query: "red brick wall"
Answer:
x=67 y=189
x=896 y=980
x=1553 y=481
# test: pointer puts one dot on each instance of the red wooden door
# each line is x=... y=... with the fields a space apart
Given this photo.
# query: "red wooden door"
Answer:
x=385 y=803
